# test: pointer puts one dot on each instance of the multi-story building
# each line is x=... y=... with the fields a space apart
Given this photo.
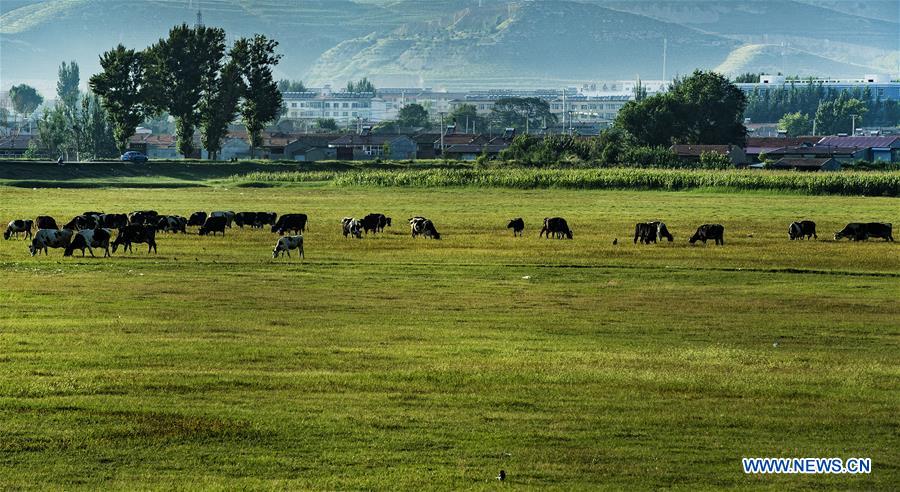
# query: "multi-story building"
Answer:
x=570 y=106
x=879 y=86
x=346 y=108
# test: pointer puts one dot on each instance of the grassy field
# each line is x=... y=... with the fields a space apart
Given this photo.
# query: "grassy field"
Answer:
x=393 y=363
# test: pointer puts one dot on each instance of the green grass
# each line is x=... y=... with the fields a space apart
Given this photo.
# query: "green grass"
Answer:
x=393 y=363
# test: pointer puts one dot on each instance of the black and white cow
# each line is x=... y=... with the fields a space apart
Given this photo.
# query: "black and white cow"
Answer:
x=709 y=231
x=858 y=231
x=213 y=225
x=171 y=223
x=142 y=217
x=50 y=238
x=17 y=226
x=556 y=226
x=802 y=230
x=420 y=226
x=228 y=214
x=89 y=239
x=517 y=225
x=286 y=243
x=135 y=233
x=651 y=232
x=295 y=223
x=351 y=227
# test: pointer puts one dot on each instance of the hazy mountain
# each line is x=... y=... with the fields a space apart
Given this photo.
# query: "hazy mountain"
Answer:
x=465 y=43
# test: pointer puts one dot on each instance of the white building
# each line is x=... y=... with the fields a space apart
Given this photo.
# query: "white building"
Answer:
x=346 y=108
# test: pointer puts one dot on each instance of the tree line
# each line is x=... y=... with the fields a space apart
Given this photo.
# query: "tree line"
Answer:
x=806 y=98
x=194 y=77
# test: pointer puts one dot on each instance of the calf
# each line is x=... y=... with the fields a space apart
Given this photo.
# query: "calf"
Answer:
x=197 y=219
x=90 y=238
x=803 y=229
x=245 y=218
x=858 y=231
x=228 y=214
x=46 y=222
x=213 y=225
x=286 y=244
x=556 y=226
x=517 y=225
x=135 y=233
x=290 y=222
x=50 y=238
x=17 y=226
x=351 y=227
x=651 y=232
x=709 y=231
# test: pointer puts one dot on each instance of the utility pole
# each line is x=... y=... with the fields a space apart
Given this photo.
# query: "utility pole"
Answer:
x=442 y=133
x=665 y=48
x=853 y=131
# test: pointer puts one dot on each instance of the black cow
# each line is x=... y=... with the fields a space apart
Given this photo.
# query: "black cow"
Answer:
x=651 y=232
x=709 y=231
x=17 y=226
x=171 y=223
x=556 y=226
x=383 y=221
x=517 y=225
x=858 y=231
x=46 y=222
x=113 y=221
x=290 y=222
x=265 y=218
x=373 y=222
x=802 y=230
x=142 y=217
x=197 y=219
x=245 y=218
x=82 y=222
x=214 y=225
x=135 y=233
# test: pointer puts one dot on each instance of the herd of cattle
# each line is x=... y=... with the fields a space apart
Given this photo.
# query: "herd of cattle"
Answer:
x=94 y=229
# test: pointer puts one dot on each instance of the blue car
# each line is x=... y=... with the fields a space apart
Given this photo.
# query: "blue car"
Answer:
x=134 y=156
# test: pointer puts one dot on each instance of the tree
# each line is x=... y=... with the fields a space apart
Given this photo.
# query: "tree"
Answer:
x=219 y=107
x=704 y=108
x=747 y=78
x=327 y=124
x=181 y=69
x=361 y=85
x=285 y=85
x=262 y=101
x=25 y=99
x=522 y=112
x=67 y=85
x=121 y=88
x=640 y=92
x=836 y=116
x=795 y=124
x=53 y=132
x=92 y=132
x=467 y=115
x=413 y=116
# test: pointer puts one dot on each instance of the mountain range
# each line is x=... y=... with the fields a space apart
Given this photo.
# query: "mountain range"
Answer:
x=475 y=43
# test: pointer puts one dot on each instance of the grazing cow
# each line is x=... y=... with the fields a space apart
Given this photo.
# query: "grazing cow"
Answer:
x=142 y=217
x=171 y=223
x=420 y=226
x=351 y=227
x=228 y=214
x=857 y=231
x=290 y=222
x=802 y=230
x=113 y=221
x=214 y=225
x=372 y=222
x=135 y=233
x=245 y=218
x=286 y=244
x=709 y=231
x=17 y=226
x=197 y=219
x=517 y=225
x=46 y=222
x=556 y=226
x=80 y=222
x=50 y=238
x=90 y=238
x=264 y=219
x=651 y=232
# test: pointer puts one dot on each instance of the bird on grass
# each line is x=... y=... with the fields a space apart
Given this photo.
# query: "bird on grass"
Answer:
x=615 y=241
x=502 y=475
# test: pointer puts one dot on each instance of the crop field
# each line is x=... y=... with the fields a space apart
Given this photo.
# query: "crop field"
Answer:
x=400 y=363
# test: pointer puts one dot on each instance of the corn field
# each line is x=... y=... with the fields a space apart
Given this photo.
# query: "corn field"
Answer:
x=819 y=183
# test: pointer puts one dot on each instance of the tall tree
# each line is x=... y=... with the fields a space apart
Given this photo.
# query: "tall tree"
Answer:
x=92 y=133
x=53 y=132
x=836 y=116
x=121 y=88
x=413 y=116
x=180 y=70
x=67 y=85
x=655 y=121
x=219 y=107
x=795 y=124
x=522 y=112
x=361 y=85
x=25 y=99
x=285 y=85
x=262 y=101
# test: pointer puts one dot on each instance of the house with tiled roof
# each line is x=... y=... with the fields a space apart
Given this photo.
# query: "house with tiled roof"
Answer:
x=876 y=148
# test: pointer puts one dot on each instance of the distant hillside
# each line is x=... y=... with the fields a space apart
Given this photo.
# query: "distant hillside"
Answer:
x=466 y=43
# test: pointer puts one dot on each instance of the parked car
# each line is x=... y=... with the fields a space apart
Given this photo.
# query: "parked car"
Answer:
x=134 y=156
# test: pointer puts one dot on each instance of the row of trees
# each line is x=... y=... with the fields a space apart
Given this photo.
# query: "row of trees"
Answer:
x=831 y=117
x=806 y=98
x=194 y=77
